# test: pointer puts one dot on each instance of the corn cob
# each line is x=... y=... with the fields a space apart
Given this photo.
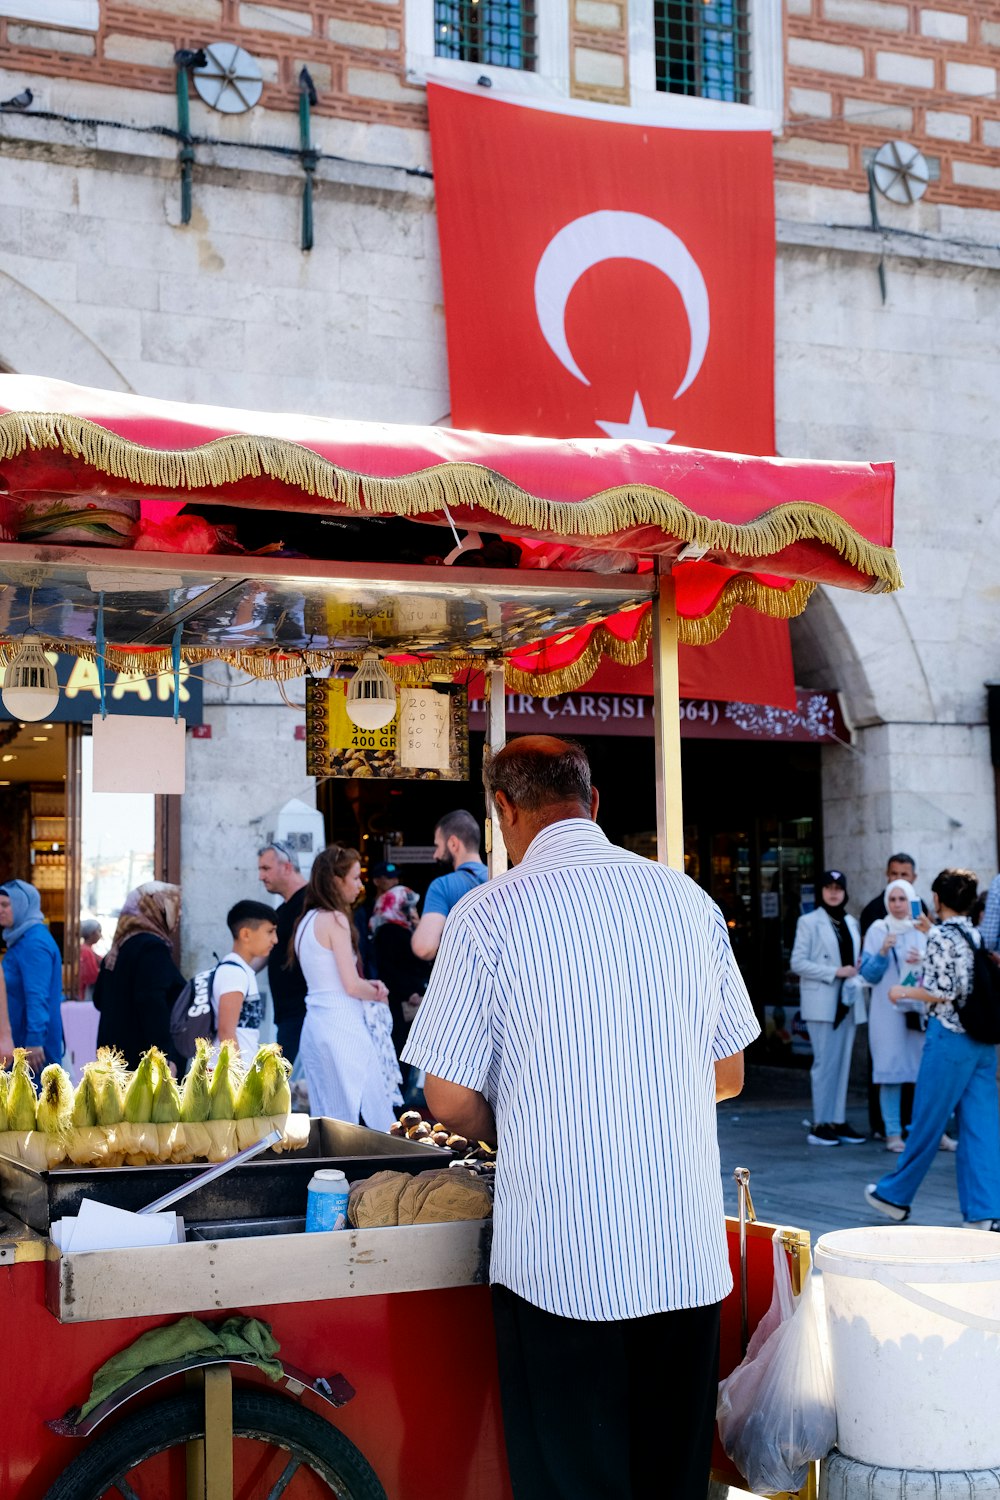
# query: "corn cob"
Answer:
x=196 y=1101
x=84 y=1101
x=166 y=1099
x=250 y=1096
x=54 y=1111
x=277 y=1093
x=4 y=1087
x=138 y=1103
x=225 y=1079
x=20 y=1094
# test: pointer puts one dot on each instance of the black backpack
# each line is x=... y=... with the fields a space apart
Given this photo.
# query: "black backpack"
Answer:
x=979 y=1011
x=191 y=1015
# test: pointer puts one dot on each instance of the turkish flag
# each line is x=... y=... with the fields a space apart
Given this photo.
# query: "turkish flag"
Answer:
x=605 y=277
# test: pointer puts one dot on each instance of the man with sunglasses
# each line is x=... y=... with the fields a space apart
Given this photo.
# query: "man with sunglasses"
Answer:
x=279 y=873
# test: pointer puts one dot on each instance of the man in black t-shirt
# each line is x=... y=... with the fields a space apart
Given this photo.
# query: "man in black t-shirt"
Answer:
x=278 y=869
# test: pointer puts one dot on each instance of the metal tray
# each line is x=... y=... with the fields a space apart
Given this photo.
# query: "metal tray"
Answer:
x=241 y=1229
x=269 y=1187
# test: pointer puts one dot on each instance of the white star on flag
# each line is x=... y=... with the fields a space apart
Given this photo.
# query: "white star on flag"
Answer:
x=637 y=425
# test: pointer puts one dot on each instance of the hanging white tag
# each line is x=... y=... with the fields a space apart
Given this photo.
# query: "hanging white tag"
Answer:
x=133 y=754
x=423 y=737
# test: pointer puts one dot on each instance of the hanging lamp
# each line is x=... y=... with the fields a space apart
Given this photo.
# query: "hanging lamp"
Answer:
x=371 y=695
x=30 y=686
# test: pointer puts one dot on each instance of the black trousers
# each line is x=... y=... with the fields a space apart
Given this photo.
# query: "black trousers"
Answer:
x=613 y=1411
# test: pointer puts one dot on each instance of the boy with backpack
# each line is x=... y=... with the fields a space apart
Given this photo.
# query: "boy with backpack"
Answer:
x=235 y=999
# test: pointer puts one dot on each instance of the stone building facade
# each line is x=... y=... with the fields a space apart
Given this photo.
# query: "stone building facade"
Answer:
x=101 y=283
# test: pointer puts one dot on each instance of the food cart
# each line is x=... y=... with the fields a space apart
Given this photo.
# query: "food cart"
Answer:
x=385 y=1333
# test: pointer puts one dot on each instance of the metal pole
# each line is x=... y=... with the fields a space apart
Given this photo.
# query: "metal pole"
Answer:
x=742 y=1176
x=185 y=59
x=496 y=737
x=666 y=712
x=308 y=157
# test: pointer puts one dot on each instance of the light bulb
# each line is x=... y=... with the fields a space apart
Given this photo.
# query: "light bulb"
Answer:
x=30 y=686
x=371 y=695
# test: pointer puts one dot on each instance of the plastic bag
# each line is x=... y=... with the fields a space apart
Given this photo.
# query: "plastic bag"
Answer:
x=776 y=1411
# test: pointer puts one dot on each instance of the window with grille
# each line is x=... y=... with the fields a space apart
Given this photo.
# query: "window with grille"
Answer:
x=496 y=32
x=703 y=49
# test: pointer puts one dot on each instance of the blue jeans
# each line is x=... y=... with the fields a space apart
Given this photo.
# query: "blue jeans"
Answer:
x=957 y=1074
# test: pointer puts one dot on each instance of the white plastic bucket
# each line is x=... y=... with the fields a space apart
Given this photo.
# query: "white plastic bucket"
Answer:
x=914 y=1319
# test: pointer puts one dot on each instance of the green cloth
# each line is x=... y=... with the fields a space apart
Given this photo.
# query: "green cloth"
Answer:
x=237 y=1338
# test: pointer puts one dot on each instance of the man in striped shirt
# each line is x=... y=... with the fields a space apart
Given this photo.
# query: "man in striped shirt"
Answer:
x=586 y=1012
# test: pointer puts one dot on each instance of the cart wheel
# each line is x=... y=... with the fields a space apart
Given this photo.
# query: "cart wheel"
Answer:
x=310 y=1446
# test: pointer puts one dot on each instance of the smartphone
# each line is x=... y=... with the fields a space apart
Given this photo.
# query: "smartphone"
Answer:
x=915 y=910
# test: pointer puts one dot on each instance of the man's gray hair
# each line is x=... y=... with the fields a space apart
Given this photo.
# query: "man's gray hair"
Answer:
x=460 y=825
x=532 y=778
x=283 y=851
x=90 y=928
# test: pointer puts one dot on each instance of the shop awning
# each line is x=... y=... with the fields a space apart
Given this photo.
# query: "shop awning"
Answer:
x=735 y=530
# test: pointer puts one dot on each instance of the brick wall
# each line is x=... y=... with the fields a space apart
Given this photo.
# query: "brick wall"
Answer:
x=859 y=72
x=354 y=50
x=862 y=72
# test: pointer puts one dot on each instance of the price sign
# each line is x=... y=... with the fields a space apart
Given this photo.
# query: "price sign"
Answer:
x=432 y=725
x=424 y=729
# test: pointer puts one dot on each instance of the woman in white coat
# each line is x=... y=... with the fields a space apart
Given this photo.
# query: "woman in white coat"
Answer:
x=824 y=955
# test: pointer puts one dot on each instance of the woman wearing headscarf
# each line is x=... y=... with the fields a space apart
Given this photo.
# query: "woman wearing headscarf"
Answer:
x=824 y=954
x=391 y=927
x=893 y=954
x=32 y=968
x=138 y=980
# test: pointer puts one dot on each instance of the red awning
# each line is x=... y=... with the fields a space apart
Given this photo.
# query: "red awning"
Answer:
x=755 y=531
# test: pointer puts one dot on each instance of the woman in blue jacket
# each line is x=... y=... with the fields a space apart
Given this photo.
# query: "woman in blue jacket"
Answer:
x=32 y=968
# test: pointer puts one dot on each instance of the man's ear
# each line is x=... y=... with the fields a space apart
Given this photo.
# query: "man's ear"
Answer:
x=506 y=811
x=595 y=798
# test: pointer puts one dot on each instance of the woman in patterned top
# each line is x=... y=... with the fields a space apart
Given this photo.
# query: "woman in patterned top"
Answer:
x=956 y=1073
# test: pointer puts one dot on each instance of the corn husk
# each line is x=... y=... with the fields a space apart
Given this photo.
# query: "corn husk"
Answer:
x=250 y=1095
x=196 y=1142
x=54 y=1110
x=20 y=1094
x=108 y=1077
x=4 y=1086
x=276 y=1070
x=294 y=1132
x=138 y=1103
x=196 y=1099
x=91 y=1146
x=166 y=1096
x=224 y=1086
x=84 y=1101
x=222 y=1139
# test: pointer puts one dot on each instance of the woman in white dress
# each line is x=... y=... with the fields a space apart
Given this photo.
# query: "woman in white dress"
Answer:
x=346 y=1047
x=893 y=954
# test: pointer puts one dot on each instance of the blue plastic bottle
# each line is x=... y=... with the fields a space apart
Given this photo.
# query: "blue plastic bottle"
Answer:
x=326 y=1205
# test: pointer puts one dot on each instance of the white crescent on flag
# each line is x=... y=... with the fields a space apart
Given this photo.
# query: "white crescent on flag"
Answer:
x=610 y=234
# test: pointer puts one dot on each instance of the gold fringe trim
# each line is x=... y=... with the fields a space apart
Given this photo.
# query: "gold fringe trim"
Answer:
x=227 y=460
x=262 y=663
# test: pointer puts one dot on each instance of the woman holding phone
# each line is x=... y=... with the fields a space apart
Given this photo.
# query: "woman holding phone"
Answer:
x=893 y=954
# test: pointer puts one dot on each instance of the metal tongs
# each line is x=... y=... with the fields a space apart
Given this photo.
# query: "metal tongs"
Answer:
x=202 y=1179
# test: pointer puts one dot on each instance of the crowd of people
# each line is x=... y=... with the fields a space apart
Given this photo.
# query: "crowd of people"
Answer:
x=906 y=971
x=345 y=975
x=513 y=999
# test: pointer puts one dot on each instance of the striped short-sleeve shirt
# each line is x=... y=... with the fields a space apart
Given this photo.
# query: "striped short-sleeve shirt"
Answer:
x=587 y=993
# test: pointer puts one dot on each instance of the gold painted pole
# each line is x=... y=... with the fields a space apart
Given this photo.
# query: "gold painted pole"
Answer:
x=667 y=743
x=496 y=737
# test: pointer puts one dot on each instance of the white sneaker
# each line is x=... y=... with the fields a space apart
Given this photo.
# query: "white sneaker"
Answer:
x=988 y=1224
